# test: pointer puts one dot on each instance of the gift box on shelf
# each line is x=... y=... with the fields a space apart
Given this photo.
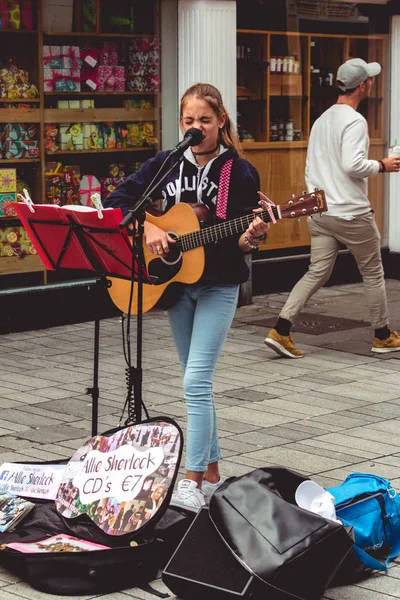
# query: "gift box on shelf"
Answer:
x=66 y=104
x=143 y=64
x=120 y=78
x=135 y=135
x=48 y=79
x=8 y=180
x=67 y=80
x=89 y=185
x=108 y=185
x=6 y=207
x=52 y=57
x=50 y=137
x=20 y=149
x=138 y=103
x=140 y=134
x=92 y=136
x=26 y=15
x=70 y=57
x=89 y=80
x=108 y=54
x=87 y=103
x=20 y=131
x=14 y=241
x=62 y=183
x=14 y=83
x=109 y=135
x=89 y=56
x=148 y=133
x=116 y=174
x=117 y=170
x=71 y=136
x=14 y=15
x=105 y=78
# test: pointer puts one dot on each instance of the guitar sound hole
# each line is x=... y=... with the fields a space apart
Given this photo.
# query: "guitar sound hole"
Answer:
x=174 y=254
x=163 y=269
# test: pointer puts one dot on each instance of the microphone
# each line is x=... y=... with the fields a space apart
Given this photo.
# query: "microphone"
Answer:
x=192 y=137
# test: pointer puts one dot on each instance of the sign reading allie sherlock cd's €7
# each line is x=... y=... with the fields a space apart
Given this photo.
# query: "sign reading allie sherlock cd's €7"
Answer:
x=121 y=481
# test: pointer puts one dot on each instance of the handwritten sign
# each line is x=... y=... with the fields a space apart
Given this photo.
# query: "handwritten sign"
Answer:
x=119 y=474
x=121 y=481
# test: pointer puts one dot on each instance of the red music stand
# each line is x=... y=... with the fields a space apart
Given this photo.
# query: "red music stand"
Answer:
x=82 y=238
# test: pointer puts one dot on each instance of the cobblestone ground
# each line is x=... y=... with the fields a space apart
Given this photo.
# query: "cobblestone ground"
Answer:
x=333 y=412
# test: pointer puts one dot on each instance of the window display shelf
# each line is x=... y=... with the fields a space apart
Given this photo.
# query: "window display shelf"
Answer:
x=285 y=82
x=50 y=124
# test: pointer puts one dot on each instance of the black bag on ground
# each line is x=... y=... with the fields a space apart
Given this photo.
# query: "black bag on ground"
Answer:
x=135 y=552
x=262 y=543
x=294 y=552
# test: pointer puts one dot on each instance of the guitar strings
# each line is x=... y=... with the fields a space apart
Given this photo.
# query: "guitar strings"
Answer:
x=191 y=240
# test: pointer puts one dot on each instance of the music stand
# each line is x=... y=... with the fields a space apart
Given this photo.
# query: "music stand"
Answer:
x=70 y=237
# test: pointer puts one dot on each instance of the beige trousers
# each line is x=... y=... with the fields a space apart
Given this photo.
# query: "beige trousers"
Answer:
x=361 y=237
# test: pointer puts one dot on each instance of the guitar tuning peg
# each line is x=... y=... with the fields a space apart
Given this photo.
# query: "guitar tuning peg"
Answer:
x=303 y=193
x=315 y=189
x=293 y=196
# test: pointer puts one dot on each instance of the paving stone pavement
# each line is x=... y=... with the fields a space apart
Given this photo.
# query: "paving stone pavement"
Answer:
x=335 y=411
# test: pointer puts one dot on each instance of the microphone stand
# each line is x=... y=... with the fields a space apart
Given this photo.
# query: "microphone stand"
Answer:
x=137 y=215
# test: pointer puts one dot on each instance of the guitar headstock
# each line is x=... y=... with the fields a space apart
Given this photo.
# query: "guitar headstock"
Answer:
x=306 y=204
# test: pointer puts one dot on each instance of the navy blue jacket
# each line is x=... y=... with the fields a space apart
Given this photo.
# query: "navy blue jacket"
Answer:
x=224 y=261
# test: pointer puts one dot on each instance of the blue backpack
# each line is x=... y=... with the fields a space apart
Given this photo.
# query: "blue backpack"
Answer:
x=372 y=507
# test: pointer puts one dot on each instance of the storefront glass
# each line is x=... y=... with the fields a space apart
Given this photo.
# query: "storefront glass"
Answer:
x=287 y=57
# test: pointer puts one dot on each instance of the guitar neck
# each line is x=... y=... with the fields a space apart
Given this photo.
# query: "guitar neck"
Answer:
x=215 y=233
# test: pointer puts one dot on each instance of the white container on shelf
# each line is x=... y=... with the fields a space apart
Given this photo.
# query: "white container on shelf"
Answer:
x=57 y=15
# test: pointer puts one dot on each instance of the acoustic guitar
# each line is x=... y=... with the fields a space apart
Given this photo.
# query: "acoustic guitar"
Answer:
x=184 y=264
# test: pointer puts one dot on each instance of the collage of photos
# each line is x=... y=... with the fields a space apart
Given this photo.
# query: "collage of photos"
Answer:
x=113 y=515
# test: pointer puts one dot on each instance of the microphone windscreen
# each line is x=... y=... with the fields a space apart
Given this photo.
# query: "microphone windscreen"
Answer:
x=195 y=134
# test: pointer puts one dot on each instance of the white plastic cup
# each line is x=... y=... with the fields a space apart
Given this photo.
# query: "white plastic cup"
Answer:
x=306 y=492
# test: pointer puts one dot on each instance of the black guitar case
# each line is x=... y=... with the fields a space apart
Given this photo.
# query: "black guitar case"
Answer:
x=144 y=457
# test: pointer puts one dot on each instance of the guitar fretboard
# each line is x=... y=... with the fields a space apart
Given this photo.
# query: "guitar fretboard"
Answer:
x=214 y=233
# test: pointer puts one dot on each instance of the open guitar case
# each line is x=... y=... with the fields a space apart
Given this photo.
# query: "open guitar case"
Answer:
x=134 y=555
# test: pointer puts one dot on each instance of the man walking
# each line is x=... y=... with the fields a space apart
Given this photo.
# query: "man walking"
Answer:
x=337 y=162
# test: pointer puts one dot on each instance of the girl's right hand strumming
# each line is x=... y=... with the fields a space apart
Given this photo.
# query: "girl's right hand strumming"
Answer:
x=157 y=240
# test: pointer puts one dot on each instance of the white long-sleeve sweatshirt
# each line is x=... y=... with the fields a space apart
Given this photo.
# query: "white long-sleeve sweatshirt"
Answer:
x=337 y=160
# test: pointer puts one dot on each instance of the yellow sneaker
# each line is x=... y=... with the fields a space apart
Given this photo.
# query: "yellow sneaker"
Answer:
x=391 y=344
x=283 y=345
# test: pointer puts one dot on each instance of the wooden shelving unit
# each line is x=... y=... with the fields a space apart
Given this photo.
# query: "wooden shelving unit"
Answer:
x=300 y=97
x=108 y=108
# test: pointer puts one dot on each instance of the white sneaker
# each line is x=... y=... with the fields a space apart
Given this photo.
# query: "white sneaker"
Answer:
x=209 y=488
x=188 y=496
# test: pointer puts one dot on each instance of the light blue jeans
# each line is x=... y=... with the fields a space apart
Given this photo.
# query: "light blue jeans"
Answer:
x=200 y=322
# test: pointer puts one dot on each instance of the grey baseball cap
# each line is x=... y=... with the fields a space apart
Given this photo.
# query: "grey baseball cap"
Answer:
x=354 y=71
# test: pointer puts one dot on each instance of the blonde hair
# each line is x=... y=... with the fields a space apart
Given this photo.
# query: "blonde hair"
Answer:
x=205 y=91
